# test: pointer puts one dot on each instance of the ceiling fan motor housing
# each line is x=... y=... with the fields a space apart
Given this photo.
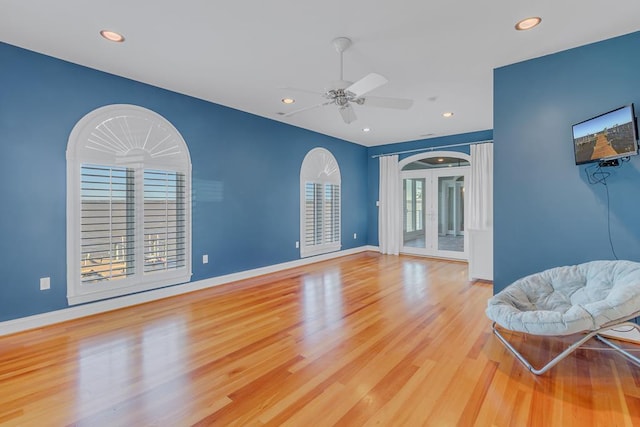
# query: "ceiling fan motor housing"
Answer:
x=338 y=85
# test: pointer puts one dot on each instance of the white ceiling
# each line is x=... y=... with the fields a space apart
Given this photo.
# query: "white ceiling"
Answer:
x=243 y=54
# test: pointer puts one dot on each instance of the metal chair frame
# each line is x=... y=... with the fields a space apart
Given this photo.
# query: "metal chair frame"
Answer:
x=573 y=347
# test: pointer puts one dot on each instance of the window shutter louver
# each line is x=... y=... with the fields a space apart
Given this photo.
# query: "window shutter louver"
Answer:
x=107 y=223
x=332 y=213
x=322 y=213
x=313 y=213
x=335 y=213
x=317 y=238
x=164 y=221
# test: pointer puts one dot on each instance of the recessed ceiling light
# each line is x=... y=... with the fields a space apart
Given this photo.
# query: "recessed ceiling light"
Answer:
x=528 y=23
x=366 y=129
x=112 y=36
x=441 y=160
x=288 y=100
x=447 y=114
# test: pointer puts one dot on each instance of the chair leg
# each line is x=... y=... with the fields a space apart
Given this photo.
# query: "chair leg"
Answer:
x=553 y=361
x=569 y=349
x=616 y=347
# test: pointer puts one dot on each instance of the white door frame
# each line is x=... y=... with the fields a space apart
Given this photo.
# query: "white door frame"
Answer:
x=435 y=173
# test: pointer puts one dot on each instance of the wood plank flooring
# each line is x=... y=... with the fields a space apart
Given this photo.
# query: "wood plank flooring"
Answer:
x=364 y=340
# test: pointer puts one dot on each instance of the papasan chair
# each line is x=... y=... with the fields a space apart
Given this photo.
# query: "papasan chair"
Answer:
x=589 y=298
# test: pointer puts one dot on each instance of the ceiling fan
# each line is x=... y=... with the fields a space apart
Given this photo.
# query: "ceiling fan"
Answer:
x=344 y=93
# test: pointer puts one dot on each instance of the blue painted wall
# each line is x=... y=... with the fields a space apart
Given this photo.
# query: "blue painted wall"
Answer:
x=246 y=170
x=374 y=166
x=546 y=213
x=245 y=175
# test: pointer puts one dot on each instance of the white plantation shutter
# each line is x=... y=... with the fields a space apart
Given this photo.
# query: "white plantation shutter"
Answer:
x=322 y=214
x=128 y=204
x=320 y=203
x=313 y=214
x=331 y=213
x=107 y=223
x=164 y=221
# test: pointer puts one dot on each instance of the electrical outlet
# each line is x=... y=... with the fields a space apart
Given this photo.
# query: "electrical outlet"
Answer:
x=297 y=244
x=205 y=259
x=45 y=283
x=355 y=236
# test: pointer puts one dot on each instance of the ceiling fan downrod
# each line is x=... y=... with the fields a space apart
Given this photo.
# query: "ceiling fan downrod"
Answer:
x=341 y=44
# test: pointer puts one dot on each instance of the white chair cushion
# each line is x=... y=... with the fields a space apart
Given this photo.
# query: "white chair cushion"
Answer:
x=571 y=299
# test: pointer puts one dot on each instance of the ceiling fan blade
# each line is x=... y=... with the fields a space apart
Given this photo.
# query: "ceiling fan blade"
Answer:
x=311 y=107
x=366 y=84
x=397 y=103
x=347 y=113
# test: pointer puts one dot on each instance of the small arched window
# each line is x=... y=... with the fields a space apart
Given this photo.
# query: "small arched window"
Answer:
x=128 y=204
x=319 y=203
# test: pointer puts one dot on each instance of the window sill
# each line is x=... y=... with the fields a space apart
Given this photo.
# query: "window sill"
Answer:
x=88 y=293
x=319 y=250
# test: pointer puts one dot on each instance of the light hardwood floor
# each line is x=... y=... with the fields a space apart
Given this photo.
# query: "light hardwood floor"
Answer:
x=362 y=340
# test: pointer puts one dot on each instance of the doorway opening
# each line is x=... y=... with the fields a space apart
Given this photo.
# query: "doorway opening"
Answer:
x=433 y=204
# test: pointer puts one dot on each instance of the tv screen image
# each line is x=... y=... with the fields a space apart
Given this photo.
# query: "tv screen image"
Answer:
x=608 y=136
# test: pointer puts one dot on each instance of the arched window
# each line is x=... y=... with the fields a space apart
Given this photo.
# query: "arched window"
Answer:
x=128 y=204
x=319 y=203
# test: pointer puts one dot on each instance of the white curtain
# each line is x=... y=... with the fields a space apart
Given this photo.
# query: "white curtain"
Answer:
x=389 y=213
x=481 y=187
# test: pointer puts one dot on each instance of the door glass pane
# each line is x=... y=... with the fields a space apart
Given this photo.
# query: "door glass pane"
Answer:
x=413 y=215
x=451 y=213
x=419 y=205
x=408 y=208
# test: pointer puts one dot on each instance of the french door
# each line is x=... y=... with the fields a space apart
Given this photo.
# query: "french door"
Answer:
x=434 y=212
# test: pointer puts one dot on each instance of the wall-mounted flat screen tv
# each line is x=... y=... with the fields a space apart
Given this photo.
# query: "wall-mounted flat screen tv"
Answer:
x=608 y=136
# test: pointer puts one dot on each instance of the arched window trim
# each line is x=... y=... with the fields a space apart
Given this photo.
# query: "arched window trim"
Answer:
x=144 y=149
x=431 y=154
x=320 y=173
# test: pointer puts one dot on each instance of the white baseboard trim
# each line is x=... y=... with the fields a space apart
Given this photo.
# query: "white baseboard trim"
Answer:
x=52 y=317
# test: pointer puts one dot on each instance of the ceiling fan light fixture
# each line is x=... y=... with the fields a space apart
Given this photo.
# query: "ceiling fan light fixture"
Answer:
x=528 y=23
x=112 y=36
x=288 y=100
